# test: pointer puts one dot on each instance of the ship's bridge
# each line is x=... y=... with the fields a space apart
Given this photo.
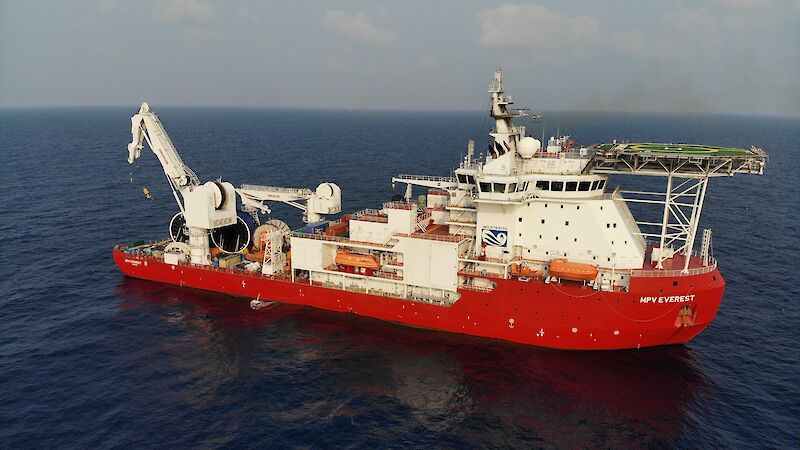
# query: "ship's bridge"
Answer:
x=491 y=188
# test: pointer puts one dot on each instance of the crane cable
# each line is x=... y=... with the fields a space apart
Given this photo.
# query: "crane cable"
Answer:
x=145 y=189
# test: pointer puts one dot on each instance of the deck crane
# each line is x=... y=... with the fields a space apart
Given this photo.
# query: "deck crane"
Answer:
x=326 y=199
x=212 y=205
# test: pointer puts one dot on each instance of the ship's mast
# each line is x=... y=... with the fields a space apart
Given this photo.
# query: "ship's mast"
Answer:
x=505 y=134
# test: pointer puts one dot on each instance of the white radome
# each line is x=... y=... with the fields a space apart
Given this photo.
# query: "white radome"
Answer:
x=528 y=146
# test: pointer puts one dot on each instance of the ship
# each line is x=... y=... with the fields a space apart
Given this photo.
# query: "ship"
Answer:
x=527 y=242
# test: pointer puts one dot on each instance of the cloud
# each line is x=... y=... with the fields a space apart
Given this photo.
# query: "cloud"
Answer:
x=533 y=26
x=357 y=27
x=185 y=10
x=109 y=5
x=632 y=42
x=741 y=4
x=691 y=20
x=335 y=64
x=199 y=34
x=427 y=62
x=246 y=14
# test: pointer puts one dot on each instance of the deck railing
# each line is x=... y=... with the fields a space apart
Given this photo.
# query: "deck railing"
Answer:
x=400 y=205
x=323 y=237
x=664 y=273
x=435 y=237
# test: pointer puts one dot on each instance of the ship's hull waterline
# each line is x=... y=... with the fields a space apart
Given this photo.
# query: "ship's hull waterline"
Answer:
x=564 y=315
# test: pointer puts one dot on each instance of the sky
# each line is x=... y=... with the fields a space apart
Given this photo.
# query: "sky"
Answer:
x=706 y=56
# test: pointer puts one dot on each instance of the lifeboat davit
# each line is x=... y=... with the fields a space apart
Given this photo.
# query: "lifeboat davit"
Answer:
x=572 y=271
x=346 y=258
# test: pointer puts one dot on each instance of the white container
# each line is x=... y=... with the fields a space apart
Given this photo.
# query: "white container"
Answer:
x=174 y=258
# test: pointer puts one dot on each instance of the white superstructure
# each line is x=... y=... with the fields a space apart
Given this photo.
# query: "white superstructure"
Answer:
x=523 y=203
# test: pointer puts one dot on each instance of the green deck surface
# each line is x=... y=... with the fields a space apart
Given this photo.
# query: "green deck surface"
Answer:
x=684 y=149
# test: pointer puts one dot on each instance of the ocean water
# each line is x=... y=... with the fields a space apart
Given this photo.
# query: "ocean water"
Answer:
x=91 y=359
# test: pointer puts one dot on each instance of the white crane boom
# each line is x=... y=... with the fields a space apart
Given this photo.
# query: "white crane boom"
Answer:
x=326 y=199
x=146 y=125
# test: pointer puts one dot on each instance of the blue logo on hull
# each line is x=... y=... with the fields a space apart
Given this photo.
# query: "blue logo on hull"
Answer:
x=495 y=238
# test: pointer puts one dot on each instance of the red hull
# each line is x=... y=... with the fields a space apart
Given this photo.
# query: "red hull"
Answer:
x=558 y=315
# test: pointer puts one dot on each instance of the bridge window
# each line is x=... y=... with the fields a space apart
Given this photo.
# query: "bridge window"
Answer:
x=601 y=184
x=572 y=186
x=486 y=187
x=557 y=186
x=543 y=185
x=499 y=187
x=465 y=179
x=584 y=185
x=512 y=187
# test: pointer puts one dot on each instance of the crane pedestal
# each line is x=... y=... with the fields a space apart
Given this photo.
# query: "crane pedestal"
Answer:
x=198 y=246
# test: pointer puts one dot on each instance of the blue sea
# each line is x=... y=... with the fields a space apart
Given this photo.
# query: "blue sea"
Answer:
x=91 y=359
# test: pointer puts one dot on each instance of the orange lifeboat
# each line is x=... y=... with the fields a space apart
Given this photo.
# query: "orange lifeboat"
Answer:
x=521 y=270
x=346 y=258
x=572 y=271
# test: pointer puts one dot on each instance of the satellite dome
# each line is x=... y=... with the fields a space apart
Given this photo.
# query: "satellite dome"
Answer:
x=528 y=146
